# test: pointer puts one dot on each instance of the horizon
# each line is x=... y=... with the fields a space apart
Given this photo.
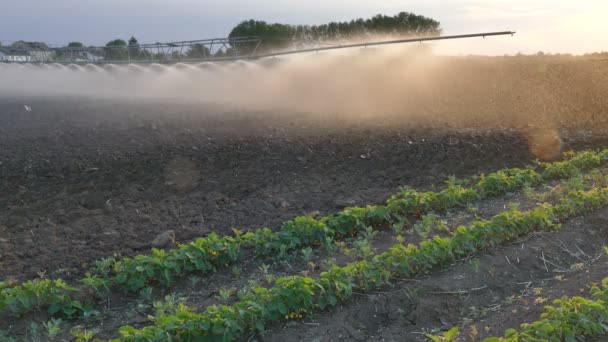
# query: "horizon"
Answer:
x=541 y=25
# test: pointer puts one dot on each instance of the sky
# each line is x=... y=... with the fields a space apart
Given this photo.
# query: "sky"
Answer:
x=555 y=26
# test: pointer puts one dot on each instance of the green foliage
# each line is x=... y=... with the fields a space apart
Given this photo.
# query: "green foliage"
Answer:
x=36 y=294
x=574 y=165
x=53 y=327
x=448 y=336
x=169 y=306
x=161 y=267
x=276 y=36
x=116 y=50
x=291 y=297
x=568 y=319
x=507 y=180
x=429 y=223
x=6 y=337
x=82 y=335
x=116 y=42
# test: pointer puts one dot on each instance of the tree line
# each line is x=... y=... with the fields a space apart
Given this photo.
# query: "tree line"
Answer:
x=273 y=36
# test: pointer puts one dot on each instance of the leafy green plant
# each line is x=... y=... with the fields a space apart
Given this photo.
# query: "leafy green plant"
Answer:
x=568 y=319
x=168 y=306
x=448 y=336
x=226 y=295
x=307 y=254
x=268 y=278
x=36 y=294
x=53 y=327
x=429 y=223
x=33 y=332
x=237 y=271
x=82 y=335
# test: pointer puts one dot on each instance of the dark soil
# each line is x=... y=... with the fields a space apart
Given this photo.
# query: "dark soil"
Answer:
x=83 y=179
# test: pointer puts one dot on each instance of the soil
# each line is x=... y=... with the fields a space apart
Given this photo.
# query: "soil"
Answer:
x=83 y=178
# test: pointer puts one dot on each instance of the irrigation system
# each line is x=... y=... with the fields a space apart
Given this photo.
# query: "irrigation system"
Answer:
x=216 y=49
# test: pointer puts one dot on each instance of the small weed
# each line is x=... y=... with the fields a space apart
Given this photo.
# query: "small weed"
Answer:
x=475 y=265
x=448 y=336
x=226 y=295
x=146 y=294
x=237 y=271
x=82 y=335
x=53 y=327
x=268 y=278
x=33 y=333
x=194 y=280
x=529 y=192
x=307 y=254
x=512 y=206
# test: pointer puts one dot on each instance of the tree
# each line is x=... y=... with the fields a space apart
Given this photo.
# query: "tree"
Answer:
x=134 y=52
x=278 y=36
x=116 y=50
x=75 y=45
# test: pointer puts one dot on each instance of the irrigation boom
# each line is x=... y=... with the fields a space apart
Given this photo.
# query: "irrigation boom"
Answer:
x=387 y=42
x=217 y=49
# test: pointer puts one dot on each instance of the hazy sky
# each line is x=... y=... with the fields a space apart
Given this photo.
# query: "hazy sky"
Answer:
x=547 y=25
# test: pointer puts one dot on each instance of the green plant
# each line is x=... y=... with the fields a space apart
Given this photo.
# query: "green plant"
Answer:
x=226 y=295
x=307 y=254
x=98 y=284
x=168 y=306
x=363 y=245
x=448 y=336
x=237 y=271
x=268 y=278
x=146 y=294
x=82 y=335
x=475 y=265
x=194 y=280
x=53 y=327
x=292 y=297
x=568 y=319
x=32 y=332
x=428 y=223
x=36 y=294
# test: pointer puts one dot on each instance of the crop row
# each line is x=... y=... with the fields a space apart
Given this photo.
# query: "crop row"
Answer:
x=207 y=254
x=297 y=295
x=568 y=319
